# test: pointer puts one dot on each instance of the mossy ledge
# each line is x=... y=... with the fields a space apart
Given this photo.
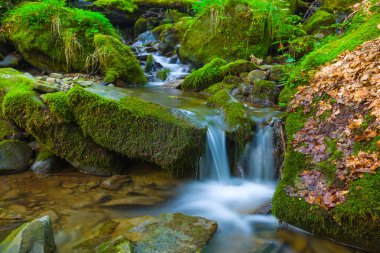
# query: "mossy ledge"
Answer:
x=50 y=122
x=139 y=130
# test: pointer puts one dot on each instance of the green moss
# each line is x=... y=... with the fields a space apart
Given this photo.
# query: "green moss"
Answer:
x=44 y=154
x=159 y=29
x=139 y=130
x=173 y=16
x=231 y=30
x=319 y=20
x=339 y=5
x=184 y=23
x=238 y=124
x=264 y=90
x=6 y=129
x=141 y=26
x=366 y=29
x=52 y=37
x=205 y=76
x=181 y=5
x=117 y=61
x=149 y=64
x=121 y=5
x=237 y=67
x=50 y=125
x=163 y=74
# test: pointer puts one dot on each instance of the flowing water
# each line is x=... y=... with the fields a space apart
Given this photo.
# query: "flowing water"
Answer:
x=231 y=199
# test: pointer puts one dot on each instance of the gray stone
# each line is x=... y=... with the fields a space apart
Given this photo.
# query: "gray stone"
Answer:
x=276 y=73
x=14 y=156
x=84 y=83
x=114 y=182
x=265 y=67
x=45 y=87
x=256 y=74
x=44 y=166
x=175 y=233
x=50 y=80
x=34 y=237
x=57 y=75
x=11 y=60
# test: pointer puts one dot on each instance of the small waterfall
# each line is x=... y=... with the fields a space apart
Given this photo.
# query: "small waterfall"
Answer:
x=214 y=164
x=261 y=160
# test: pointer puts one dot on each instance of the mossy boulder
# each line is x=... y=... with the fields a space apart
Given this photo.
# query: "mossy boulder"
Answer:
x=34 y=236
x=163 y=74
x=141 y=26
x=177 y=233
x=232 y=30
x=339 y=5
x=139 y=130
x=50 y=121
x=239 y=125
x=117 y=61
x=265 y=91
x=237 y=67
x=56 y=38
x=202 y=78
x=319 y=22
x=277 y=73
x=15 y=156
x=170 y=38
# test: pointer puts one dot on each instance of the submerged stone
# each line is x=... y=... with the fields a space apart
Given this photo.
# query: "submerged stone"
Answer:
x=35 y=236
x=176 y=233
x=10 y=219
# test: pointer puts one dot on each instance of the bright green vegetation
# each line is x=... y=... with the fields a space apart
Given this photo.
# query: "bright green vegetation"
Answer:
x=339 y=5
x=51 y=124
x=205 y=76
x=237 y=67
x=6 y=129
x=163 y=74
x=229 y=83
x=233 y=30
x=318 y=21
x=122 y=5
x=141 y=25
x=134 y=5
x=149 y=64
x=363 y=29
x=356 y=221
x=117 y=61
x=53 y=37
x=139 y=130
x=263 y=89
x=239 y=126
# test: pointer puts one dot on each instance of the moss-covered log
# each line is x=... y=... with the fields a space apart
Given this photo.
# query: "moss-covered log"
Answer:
x=139 y=130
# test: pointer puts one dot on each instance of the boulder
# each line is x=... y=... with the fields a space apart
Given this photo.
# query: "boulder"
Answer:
x=35 y=236
x=15 y=156
x=277 y=73
x=170 y=38
x=176 y=233
x=256 y=74
x=11 y=60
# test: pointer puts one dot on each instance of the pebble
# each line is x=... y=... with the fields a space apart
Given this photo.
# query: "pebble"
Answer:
x=17 y=208
x=70 y=185
x=115 y=182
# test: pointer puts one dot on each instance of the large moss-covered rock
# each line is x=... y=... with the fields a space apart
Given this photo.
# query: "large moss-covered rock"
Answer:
x=176 y=233
x=56 y=38
x=319 y=21
x=202 y=78
x=34 y=236
x=139 y=130
x=238 y=34
x=117 y=61
x=15 y=156
x=50 y=121
x=170 y=38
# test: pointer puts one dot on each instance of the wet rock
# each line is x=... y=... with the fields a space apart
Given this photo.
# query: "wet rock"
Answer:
x=92 y=184
x=84 y=83
x=264 y=209
x=13 y=194
x=265 y=67
x=100 y=197
x=82 y=204
x=115 y=182
x=9 y=219
x=44 y=166
x=14 y=156
x=11 y=60
x=276 y=73
x=176 y=84
x=57 y=75
x=51 y=80
x=70 y=185
x=52 y=215
x=256 y=74
x=134 y=201
x=17 y=208
x=165 y=233
x=35 y=236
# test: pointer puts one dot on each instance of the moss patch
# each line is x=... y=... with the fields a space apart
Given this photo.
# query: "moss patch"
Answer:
x=117 y=61
x=205 y=76
x=139 y=130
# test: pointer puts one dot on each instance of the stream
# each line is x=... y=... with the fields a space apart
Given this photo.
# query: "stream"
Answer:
x=77 y=204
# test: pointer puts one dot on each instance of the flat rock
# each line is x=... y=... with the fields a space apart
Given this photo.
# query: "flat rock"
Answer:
x=133 y=201
x=57 y=75
x=175 y=233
